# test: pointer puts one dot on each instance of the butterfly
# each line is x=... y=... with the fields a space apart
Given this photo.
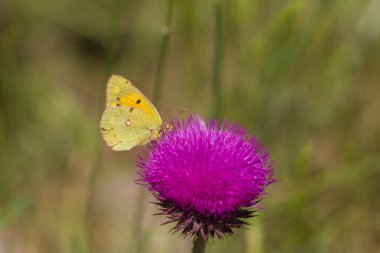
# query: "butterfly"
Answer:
x=129 y=119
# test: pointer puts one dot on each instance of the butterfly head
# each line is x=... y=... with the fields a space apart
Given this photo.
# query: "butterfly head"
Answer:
x=165 y=127
x=168 y=126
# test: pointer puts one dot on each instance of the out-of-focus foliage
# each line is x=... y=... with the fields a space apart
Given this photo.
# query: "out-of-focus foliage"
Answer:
x=302 y=75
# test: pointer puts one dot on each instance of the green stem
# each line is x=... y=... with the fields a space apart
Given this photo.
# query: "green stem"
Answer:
x=218 y=51
x=199 y=245
x=97 y=150
x=113 y=38
x=166 y=30
x=156 y=100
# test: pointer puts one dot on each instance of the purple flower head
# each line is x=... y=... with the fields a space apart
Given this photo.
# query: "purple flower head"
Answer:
x=206 y=177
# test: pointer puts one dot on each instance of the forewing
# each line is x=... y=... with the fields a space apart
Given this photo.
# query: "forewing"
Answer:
x=122 y=93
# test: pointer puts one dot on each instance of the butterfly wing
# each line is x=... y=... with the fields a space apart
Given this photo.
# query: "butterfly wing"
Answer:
x=123 y=130
x=122 y=93
x=130 y=119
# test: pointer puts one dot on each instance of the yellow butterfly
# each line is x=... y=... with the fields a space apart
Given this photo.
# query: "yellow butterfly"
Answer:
x=130 y=119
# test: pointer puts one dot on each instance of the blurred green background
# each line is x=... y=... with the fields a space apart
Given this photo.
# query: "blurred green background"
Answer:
x=304 y=76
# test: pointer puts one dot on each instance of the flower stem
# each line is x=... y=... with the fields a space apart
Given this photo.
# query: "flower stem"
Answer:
x=218 y=50
x=199 y=245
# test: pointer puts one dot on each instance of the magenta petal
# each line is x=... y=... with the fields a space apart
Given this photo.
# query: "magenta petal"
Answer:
x=207 y=171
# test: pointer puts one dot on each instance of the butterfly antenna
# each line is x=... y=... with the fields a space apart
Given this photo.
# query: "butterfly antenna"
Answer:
x=180 y=112
x=169 y=126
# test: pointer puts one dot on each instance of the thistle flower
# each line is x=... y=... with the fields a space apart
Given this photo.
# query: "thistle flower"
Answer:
x=206 y=178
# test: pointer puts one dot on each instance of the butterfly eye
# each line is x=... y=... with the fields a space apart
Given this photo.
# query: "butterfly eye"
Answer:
x=168 y=127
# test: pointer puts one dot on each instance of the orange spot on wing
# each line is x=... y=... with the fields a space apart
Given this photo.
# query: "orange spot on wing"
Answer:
x=131 y=101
